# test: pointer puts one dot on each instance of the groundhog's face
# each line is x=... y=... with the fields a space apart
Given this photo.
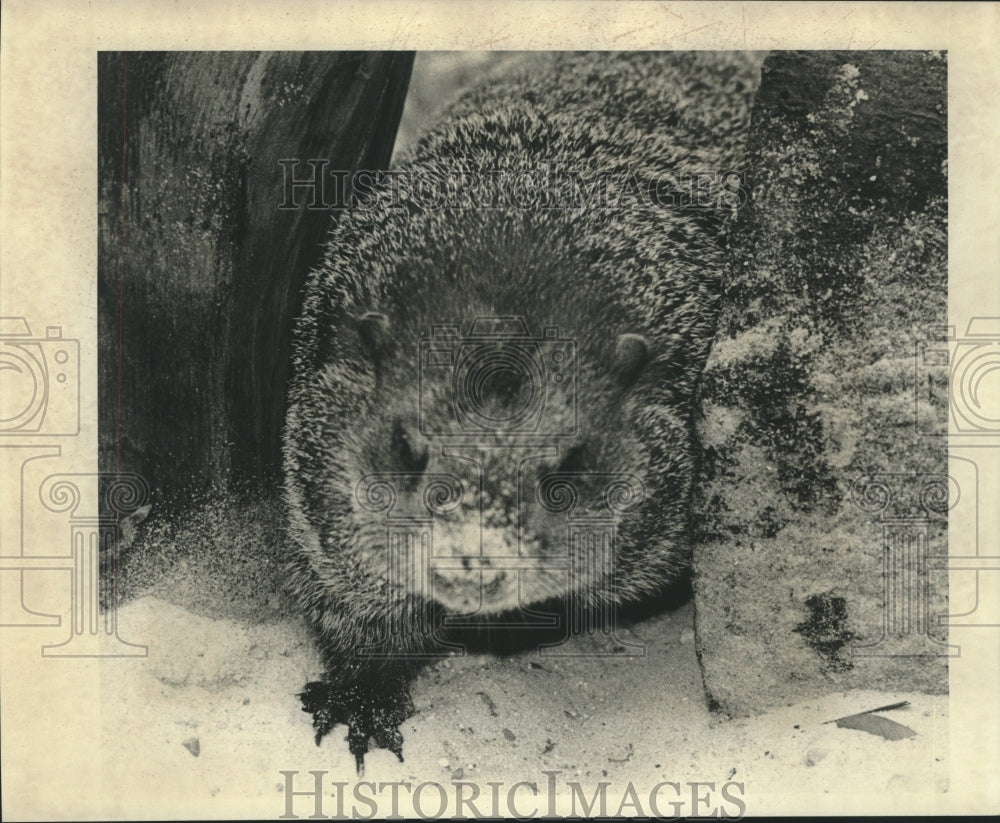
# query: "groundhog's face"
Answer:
x=495 y=471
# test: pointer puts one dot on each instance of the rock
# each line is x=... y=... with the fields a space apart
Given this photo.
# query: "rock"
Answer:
x=812 y=459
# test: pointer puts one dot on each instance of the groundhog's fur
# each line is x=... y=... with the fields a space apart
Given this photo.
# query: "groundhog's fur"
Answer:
x=634 y=284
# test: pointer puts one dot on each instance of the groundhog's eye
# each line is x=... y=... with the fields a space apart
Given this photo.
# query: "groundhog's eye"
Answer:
x=375 y=333
x=577 y=459
x=411 y=457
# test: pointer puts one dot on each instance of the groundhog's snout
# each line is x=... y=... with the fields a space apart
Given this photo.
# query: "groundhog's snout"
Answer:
x=472 y=571
x=470 y=567
x=467 y=589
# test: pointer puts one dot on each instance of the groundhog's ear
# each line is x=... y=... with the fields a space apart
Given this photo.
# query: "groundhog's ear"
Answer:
x=630 y=358
x=374 y=331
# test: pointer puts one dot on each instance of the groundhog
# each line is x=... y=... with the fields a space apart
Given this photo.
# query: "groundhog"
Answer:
x=502 y=345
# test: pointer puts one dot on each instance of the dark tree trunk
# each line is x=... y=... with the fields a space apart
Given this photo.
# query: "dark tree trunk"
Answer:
x=200 y=272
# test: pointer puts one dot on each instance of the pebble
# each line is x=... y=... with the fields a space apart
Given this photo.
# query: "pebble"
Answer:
x=815 y=755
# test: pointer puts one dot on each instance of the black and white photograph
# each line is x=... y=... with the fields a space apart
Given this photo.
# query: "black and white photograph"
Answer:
x=519 y=410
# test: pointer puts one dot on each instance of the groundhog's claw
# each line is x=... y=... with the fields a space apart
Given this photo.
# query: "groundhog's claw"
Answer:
x=371 y=714
x=316 y=700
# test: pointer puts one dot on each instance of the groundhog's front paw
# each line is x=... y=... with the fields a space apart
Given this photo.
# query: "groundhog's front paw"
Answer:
x=371 y=712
